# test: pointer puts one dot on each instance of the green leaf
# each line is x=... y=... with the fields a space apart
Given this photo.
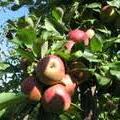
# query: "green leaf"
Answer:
x=44 y=49
x=29 y=21
x=115 y=3
x=91 y=57
x=57 y=13
x=7 y=99
x=77 y=54
x=63 y=54
x=96 y=44
x=102 y=81
x=49 y=26
x=2 y=112
x=26 y=54
x=37 y=47
x=3 y=66
x=115 y=73
x=114 y=65
x=26 y=36
x=94 y=5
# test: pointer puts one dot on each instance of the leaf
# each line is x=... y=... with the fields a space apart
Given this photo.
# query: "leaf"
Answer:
x=2 y=112
x=94 y=5
x=96 y=44
x=63 y=54
x=44 y=49
x=115 y=3
x=91 y=57
x=3 y=66
x=49 y=26
x=110 y=42
x=115 y=73
x=102 y=81
x=29 y=21
x=114 y=65
x=44 y=46
x=7 y=99
x=77 y=54
x=37 y=47
x=26 y=54
x=27 y=36
x=57 y=13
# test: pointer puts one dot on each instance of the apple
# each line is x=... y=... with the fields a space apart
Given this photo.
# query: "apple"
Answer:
x=50 y=70
x=108 y=14
x=70 y=85
x=90 y=33
x=56 y=99
x=78 y=36
x=31 y=89
x=69 y=44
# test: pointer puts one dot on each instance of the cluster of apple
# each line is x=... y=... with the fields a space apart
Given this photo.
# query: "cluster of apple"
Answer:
x=60 y=87
x=79 y=36
x=60 y=83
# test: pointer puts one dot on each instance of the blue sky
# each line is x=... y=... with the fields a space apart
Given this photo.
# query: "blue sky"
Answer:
x=5 y=15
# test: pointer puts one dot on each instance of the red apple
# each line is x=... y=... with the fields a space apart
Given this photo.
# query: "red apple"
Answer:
x=70 y=85
x=69 y=44
x=56 y=99
x=51 y=69
x=90 y=33
x=78 y=36
x=30 y=88
x=108 y=14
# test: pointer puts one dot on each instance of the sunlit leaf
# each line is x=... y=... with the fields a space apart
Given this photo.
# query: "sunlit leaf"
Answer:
x=49 y=26
x=96 y=44
x=7 y=99
x=102 y=81
x=3 y=66
x=115 y=73
x=57 y=13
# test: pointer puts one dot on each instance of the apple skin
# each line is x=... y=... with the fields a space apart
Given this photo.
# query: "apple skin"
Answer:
x=50 y=70
x=90 y=33
x=78 y=36
x=69 y=44
x=31 y=89
x=56 y=99
x=108 y=14
x=69 y=84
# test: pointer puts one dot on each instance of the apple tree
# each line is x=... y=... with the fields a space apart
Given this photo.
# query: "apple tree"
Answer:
x=64 y=63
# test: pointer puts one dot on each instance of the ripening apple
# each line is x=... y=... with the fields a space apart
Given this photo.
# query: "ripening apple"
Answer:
x=69 y=44
x=78 y=36
x=31 y=89
x=90 y=33
x=69 y=84
x=108 y=14
x=56 y=99
x=50 y=69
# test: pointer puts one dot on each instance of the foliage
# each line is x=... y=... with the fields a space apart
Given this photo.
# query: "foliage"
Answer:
x=44 y=31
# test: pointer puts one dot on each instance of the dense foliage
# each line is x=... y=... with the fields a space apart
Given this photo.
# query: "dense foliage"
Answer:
x=45 y=31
